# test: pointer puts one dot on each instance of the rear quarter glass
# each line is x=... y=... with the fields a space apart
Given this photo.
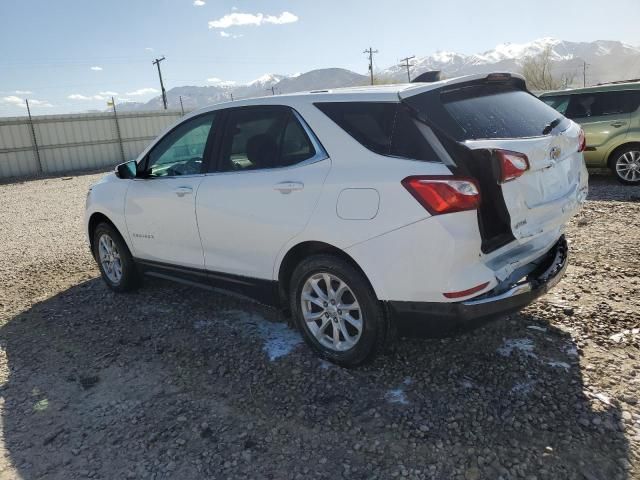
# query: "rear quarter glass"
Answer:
x=386 y=128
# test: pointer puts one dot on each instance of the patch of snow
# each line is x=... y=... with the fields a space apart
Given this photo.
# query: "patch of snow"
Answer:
x=325 y=365
x=520 y=345
x=466 y=383
x=557 y=364
x=603 y=398
x=522 y=388
x=396 y=395
x=267 y=79
x=537 y=328
x=279 y=339
x=218 y=82
x=618 y=337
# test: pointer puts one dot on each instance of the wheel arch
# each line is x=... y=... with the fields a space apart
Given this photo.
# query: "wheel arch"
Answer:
x=96 y=219
x=611 y=157
x=303 y=250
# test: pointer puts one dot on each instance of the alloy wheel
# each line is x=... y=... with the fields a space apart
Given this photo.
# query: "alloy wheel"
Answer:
x=628 y=166
x=331 y=312
x=110 y=258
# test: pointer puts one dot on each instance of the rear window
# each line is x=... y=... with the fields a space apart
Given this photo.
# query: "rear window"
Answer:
x=486 y=111
x=384 y=128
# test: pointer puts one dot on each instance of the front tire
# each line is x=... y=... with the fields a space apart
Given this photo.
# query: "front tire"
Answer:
x=114 y=259
x=337 y=311
x=625 y=164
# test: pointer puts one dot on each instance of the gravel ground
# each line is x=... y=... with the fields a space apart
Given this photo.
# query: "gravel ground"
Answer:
x=175 y=382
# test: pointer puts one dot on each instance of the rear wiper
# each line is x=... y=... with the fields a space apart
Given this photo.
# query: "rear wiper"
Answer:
x=551 y=125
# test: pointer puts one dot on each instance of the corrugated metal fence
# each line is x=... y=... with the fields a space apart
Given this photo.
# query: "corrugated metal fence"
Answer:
x=55 y=144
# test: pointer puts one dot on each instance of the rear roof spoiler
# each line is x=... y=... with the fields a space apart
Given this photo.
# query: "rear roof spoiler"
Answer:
x=494 y=77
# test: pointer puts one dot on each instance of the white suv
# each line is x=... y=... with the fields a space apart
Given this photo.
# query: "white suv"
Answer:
x=355 y=210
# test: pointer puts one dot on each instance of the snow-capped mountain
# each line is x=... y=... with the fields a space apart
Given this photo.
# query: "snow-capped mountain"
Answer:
x=266 y=80
x=196 y=97
x=606 y=61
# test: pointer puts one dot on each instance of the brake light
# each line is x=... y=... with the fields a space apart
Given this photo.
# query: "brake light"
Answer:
x=512 y=164
x=582 y=141
x=444 y=194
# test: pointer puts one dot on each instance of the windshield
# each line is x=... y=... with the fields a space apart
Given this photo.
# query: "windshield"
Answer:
x=488 y=111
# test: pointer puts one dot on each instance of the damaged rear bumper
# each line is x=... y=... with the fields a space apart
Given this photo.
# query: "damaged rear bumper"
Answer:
x=445 y=318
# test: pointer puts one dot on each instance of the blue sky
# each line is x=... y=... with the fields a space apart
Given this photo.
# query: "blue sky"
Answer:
x=48 y=47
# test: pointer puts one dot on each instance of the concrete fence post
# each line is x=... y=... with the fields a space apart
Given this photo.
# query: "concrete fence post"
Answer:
x=115 y=116
x=36 y=150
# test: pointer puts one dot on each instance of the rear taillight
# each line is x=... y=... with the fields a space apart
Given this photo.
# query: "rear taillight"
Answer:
x=444 y=194
x=512 y=164
x=582 y=141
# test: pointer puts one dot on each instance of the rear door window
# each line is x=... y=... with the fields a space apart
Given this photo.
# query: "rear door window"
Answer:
x=263 y=137
x=386 y=128
x=599 y=104
x=486 y=111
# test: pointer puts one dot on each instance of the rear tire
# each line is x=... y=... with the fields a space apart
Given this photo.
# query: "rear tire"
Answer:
x=625 y=164
x=114 y=259
x=336 y=310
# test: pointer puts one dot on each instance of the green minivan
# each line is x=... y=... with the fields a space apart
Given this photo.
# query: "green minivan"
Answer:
x=609 y=116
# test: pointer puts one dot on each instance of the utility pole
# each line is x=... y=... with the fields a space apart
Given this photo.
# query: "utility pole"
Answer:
x=272 y=90
x=33 y=137
x=371 y=51
x=405 y=63
x=156 y=62
x=181 y=106
x=115 y=117
x=584 y=73
x=231 y=93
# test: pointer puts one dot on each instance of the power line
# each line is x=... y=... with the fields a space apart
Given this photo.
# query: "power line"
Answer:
x=405 y=63
x=370 y=51
x=156 y=62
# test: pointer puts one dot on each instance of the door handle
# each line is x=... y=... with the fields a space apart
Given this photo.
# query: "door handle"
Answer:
x=182 y=191
x=618 y=124
x=288 y=187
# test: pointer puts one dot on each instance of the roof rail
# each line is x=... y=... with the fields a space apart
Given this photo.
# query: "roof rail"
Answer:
x=616 y=82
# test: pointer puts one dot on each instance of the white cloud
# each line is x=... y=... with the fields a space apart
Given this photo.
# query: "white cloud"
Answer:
x=77 y=96
x=23 y=92
x=98 y=96
x=96 y=69
x=224 y=34
x=19 y=102
x=39 y=103
x=221 y=83
x=13 y=99
x=256 y=19
x=198 y=3
x=148 y=49
x=142 y=91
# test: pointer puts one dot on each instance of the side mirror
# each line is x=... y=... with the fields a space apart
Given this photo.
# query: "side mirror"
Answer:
x=127 y=170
